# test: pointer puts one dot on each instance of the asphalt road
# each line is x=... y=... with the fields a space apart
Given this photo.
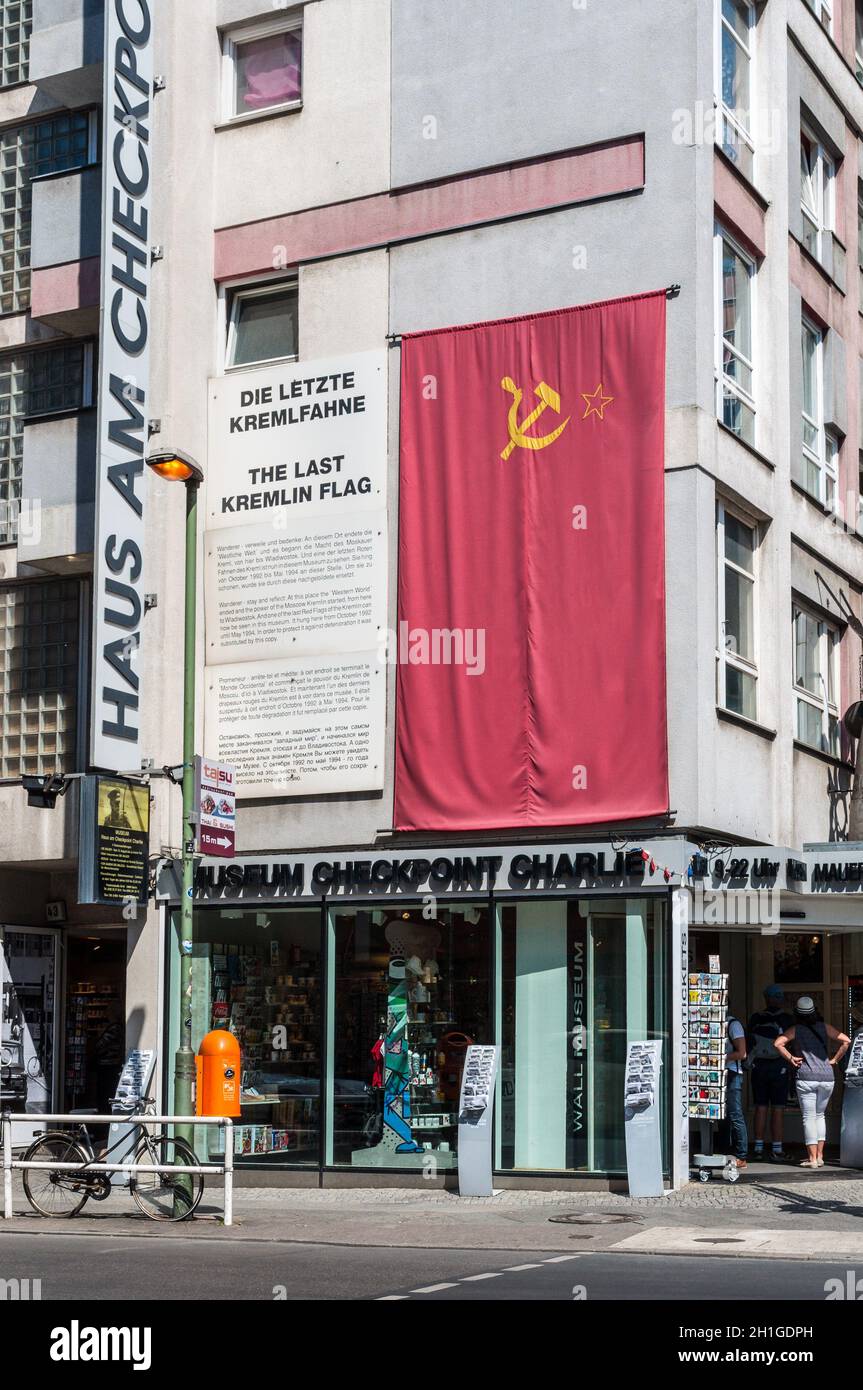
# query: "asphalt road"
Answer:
x=78 y=1268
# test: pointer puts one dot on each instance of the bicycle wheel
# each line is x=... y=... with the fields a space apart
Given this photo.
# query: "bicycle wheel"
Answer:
x=56 y=1193
x=166 y=1196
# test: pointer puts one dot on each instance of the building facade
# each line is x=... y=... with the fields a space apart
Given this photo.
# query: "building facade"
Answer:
x=327 y=179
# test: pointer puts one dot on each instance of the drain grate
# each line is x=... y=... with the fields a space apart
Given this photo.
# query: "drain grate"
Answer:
x=593 y=1218
x=719 y=1240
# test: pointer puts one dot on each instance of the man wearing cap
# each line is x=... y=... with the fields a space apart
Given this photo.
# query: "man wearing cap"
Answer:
x=770 y=1074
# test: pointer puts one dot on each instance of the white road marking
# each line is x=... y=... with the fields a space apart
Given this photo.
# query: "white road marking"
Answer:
x=517 y=1269
x=560 y=1259
x=434 y=1288
x=392 y=1298
x=472 y=1278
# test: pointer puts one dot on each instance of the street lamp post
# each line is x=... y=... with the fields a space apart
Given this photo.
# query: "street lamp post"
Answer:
x=177 y=467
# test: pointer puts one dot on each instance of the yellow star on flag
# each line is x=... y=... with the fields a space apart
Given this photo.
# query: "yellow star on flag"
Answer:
x=596 y=403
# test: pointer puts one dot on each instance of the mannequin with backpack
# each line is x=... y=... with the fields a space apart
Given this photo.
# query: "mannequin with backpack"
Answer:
x=770 y=1072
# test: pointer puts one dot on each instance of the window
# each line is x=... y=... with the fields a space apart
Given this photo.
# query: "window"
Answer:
x=263 y=68
x=262 y=324
x=39 y=642
x=734 y=337
x=15 y=220
x=58 y=379
x=737 y=30
x=68 y=141
x=737 y=670
x=816 y=192
x=818 y=464
x=858 y=38
x=823 y=11
x=16 y=22
x=43 y=381
x=816 y=647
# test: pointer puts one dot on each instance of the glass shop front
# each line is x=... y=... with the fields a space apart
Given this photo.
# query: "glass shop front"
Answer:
x=354 y=1021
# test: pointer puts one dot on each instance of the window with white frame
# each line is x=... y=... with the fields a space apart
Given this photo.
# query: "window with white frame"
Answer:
x=263 y=324
x=40 y=627
x=734 y=278
x=818 y=463
x=816 y=660
x=858 y=38
x=737 y=667
x=735 y=57
x=823 y=11
x=817 y=171
x=263 y=68
x=16 y=24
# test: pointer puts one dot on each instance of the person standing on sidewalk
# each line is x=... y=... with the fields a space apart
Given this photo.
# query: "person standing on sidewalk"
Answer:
x=770 y=1074
x=735 y=1056
x=808 y=1046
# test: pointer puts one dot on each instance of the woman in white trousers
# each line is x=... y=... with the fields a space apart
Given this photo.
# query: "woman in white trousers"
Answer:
x=813 y=1048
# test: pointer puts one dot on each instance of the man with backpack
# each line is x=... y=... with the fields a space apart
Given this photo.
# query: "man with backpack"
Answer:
x=735 y=1056
x=770 y=1073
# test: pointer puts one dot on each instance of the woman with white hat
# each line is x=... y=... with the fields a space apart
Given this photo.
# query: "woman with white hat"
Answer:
x=808 y=1047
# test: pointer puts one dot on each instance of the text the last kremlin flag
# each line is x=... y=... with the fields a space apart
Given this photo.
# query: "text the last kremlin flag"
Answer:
x=531 y=632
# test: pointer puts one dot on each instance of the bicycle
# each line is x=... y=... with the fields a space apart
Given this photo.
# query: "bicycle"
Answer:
x=160 y=1196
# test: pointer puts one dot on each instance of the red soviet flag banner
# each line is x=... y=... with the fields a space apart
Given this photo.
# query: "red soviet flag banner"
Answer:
x=531 y=636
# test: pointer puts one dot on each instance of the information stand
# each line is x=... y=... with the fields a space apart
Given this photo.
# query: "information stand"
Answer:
x=641 y=1117
x=474 y=1121
x=132 y=1088
x=851 y=1140
x=708 y=1033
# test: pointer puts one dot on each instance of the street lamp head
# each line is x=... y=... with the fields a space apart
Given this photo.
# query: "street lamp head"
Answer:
x=175 y=466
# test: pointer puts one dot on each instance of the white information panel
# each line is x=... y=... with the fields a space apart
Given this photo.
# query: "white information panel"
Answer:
x=475 y=1129
x=133 y=1087
x=312 y=587
x=293 y=727
x=642 y=1111
x=851 y=1137
x=297 y=440
x=295 y=581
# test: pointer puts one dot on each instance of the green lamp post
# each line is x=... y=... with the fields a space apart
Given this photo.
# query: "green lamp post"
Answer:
x=175 y=466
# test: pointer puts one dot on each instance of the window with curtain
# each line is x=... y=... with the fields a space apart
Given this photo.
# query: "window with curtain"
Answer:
x=263 y=68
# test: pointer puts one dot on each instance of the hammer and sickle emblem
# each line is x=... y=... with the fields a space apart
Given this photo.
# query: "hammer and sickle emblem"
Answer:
x=518 y=437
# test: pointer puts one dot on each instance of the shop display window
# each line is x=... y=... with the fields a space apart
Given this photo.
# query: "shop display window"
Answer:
x=580 y=981
x=392 y=995
x=258 y=976
x=411 y=992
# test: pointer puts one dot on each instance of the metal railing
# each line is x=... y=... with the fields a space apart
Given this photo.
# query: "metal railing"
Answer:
x=76 y=1122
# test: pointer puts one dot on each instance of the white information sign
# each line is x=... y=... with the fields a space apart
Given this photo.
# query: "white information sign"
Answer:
x=315 y=587
x=298 y=726
x=304 y=438
x=296 y=575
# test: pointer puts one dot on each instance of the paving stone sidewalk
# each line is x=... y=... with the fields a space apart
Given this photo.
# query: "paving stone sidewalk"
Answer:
x=771 y=1210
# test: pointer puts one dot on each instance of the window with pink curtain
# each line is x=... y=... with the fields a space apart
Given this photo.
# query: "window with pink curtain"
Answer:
x=269 y=71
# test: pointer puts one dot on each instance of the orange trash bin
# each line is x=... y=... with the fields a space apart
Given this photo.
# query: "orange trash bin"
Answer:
x=218 y=1068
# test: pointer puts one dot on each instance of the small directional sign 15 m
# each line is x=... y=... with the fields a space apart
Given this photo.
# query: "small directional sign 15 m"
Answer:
x=216 y=803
